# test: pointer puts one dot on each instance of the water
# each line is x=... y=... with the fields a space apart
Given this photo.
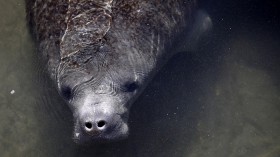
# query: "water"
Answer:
x=221 y=101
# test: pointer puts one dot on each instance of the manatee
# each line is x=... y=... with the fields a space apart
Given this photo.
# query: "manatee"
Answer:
x=102 y=53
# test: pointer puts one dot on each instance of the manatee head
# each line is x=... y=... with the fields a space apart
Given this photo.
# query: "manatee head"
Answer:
x=102 y=70
x=100 y=83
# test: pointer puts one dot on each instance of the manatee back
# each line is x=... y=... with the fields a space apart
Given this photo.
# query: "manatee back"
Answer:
x=46 y=19
x=149 y=26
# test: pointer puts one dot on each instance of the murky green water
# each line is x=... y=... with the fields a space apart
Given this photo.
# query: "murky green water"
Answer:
x=223 y=101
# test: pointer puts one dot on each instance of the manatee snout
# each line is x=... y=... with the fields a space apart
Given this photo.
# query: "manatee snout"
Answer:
x=100 y=120
x=100 y=102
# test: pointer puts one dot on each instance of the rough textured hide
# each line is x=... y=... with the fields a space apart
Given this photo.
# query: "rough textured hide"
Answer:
x=68 y=27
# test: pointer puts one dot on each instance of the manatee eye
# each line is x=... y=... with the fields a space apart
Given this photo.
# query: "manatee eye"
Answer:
x=66 y=92
x=130 y=86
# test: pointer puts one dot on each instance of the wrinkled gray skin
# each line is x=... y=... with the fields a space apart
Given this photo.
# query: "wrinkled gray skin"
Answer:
x=102 y=53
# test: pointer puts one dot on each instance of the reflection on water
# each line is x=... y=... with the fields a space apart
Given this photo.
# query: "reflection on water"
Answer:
x=222 y=101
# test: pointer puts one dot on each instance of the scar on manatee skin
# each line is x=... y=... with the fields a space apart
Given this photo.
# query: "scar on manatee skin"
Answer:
x=89 y=33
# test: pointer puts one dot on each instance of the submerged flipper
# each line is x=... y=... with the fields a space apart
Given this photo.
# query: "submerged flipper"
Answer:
x=201 y=26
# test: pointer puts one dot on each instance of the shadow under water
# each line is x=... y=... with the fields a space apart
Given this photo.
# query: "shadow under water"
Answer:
x=221 y=101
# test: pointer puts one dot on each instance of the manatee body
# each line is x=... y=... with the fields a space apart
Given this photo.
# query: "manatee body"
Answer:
x=102 y=53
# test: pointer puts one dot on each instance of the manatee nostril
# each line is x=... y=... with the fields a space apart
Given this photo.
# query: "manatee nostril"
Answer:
x=88 y=125
x=101 y=123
